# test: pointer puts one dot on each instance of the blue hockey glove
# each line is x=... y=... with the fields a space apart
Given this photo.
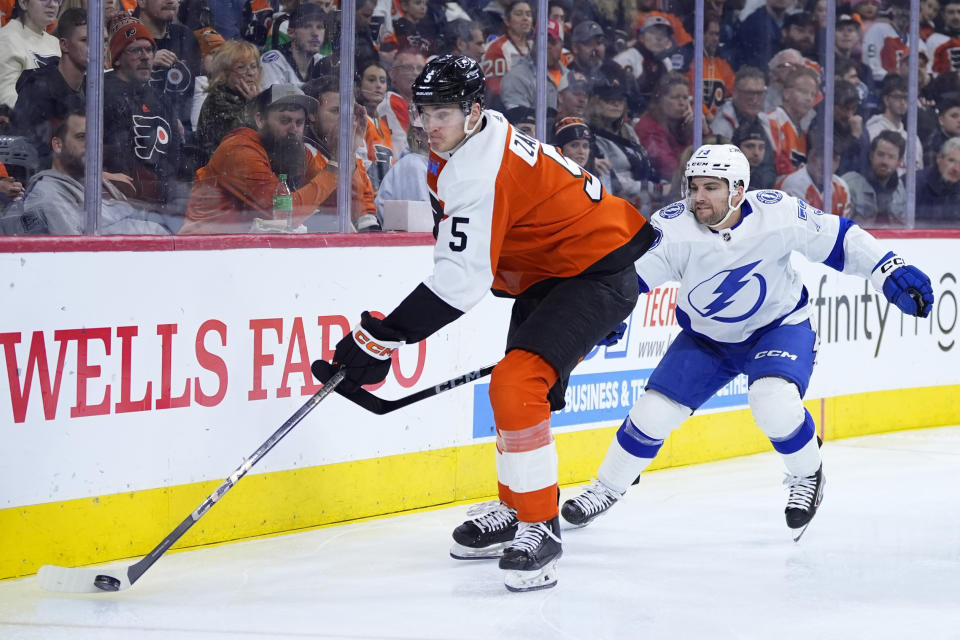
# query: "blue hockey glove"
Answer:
x=905 y=286
x=614 y=336
x=365 y=353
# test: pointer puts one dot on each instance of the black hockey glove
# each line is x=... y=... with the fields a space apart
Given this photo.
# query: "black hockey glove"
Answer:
x=365 y=353
x=904 y=285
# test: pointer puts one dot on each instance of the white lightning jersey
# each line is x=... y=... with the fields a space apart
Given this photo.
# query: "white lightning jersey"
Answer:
x=738 y=281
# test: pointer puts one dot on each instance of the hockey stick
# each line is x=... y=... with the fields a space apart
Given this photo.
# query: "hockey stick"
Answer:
x=323 y=371
x=93 y=580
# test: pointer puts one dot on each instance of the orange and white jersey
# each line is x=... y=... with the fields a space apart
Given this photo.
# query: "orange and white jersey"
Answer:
x=498 y=59
x=514 y=212
x=799 y=184
x=946 y=57
x=396 y=111
x=883 y=49
x=788 y=138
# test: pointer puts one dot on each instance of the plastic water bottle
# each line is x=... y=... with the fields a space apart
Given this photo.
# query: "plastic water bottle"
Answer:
x=283 y=203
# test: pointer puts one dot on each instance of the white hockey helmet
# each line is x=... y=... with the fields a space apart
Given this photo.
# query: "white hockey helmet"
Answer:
x=722 y=161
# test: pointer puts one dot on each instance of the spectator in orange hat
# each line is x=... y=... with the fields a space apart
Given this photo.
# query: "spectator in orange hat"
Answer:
x=209 y=41
x=142 y=137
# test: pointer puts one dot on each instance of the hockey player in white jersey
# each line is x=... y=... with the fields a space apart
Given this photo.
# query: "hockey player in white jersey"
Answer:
x=742 y=309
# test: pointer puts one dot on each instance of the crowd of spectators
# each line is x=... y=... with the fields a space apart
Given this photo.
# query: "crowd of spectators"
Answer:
x=208 y=103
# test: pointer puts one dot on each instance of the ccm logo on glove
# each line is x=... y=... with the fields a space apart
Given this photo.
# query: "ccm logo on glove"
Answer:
x=366 y=342
x=892 y=263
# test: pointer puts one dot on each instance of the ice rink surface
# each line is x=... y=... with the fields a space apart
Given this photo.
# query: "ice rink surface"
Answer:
x=696 y=552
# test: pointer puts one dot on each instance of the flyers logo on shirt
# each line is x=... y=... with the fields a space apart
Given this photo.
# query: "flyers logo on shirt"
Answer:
x=151 y=136
x=175 y=79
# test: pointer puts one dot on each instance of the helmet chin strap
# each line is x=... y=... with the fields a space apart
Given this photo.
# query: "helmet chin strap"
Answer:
x=468 y=130
x=730 y=209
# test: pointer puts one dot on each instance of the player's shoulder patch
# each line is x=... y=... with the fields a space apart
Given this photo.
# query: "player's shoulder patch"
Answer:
x=672 y=210
x=657 y=237
x=769 y=197
x=270 y=56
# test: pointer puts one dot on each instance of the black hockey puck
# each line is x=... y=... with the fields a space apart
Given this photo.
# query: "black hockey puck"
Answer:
x=106 y=583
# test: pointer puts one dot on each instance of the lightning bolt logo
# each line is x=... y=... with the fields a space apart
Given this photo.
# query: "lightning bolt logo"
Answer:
x=724 y=294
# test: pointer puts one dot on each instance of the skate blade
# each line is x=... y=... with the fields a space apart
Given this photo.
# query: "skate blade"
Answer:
x=460 y=552
x=543 y=578
x=799 y=532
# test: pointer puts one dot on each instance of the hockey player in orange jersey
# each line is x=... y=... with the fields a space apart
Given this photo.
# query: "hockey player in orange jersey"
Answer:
x=511 y=214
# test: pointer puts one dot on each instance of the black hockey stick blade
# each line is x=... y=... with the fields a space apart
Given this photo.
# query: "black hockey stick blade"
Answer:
x=98 y=580
x=324 y=371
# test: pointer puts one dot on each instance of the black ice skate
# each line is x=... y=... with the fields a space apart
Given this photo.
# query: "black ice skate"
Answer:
x=806 y=492
x=594 y=501
x=531 y=559
x=491 y=528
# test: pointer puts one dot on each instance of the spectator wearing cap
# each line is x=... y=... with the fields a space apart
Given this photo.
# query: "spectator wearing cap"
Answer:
x=208 y=40
x=523 y=119
x=25 y=44
x=646 y=61
x=519 y=86
x=847 y=36
x=576 y=141
x=234 y=83
x=237 y=185
x=780 y=67
x=142 y=137
x=752 y=141
x=884 y=42
x=176 y=64
x=617 y=143
x=893 y=97
x=718 y=77
x=503 y=53
x=573 y=92
x=760 y=35
x=800 y=33
x=787 y=125
x=573 y=137
x=46 y=95
x=878 y=196
x=295 y=62
x=948 y=126
x=938 y=187
x=806 y=182
x=667 y=127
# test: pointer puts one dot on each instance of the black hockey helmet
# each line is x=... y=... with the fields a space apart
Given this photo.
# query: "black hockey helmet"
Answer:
x=450 y=79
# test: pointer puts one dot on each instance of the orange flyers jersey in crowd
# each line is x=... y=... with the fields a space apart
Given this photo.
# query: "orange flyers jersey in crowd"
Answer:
x=498 y=59
x=718 y=80
x=238 y=184
x=800 y=185
x=946 y=57
x=379 y=140
x=514 y=212
x=789 y=142
x=6 y=11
